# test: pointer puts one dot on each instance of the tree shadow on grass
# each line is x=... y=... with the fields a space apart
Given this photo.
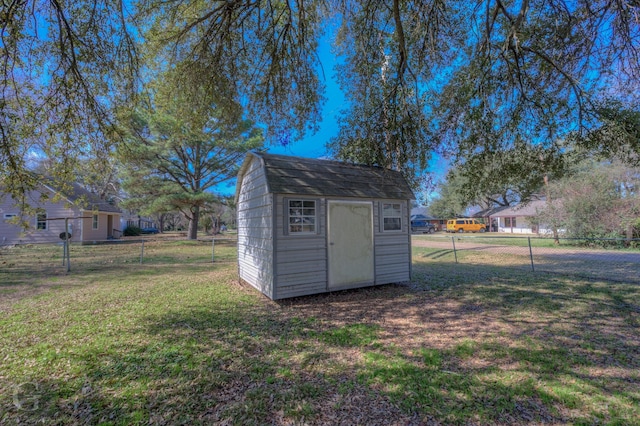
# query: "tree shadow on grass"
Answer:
x=488 y=348
x=552 y=331
x=270 y=361
x=437 y=254
x=237 y=365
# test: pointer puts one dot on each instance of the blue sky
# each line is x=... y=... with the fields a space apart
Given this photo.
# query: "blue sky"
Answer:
x=314 y=145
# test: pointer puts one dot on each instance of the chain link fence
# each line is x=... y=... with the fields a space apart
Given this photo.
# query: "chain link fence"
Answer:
x=608 y=259
x=124 y=252
x=615 y=260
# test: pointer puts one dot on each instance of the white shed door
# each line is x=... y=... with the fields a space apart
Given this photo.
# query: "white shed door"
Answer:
x=350 y=243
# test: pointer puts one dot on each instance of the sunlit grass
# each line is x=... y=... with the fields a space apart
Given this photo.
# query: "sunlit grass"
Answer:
x=187 y=344
x=533 y=240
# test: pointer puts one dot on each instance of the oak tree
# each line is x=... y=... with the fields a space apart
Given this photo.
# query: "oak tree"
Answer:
x=63 y=65
x=457 y=78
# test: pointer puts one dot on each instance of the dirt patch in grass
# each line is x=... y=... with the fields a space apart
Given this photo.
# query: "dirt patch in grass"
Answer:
x=507 y=351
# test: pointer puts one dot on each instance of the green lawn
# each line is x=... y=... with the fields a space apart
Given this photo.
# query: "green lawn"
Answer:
x=505 y=239
x=175 y=343
x=522 y=240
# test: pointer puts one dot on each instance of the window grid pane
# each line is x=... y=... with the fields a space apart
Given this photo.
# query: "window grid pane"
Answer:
x=391 y=216
x=41 y=221
x=392 y=224
x=302 y=216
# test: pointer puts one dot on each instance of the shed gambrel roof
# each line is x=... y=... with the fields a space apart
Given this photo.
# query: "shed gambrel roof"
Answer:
x=309 y=176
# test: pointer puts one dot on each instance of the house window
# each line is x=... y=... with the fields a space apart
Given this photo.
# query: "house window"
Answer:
x=9 y=216
x=94 y=224
x=301 y=216
x=41 y=220
x=391 y=216
x=510 y=222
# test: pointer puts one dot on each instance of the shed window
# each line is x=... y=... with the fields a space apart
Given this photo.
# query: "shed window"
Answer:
x=301 y=216
x=391 y=216
x=41 y=220
x=94 y=223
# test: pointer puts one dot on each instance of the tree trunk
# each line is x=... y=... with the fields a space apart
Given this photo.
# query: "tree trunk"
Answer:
x=629 y=234
x=161 y=222
x=556 y=239
x=193 y=223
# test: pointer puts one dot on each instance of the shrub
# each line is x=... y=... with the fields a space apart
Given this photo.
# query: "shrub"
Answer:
x=131 y=231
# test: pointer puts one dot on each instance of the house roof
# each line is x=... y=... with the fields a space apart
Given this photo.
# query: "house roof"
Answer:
x=309 y=176
x=529 y=209
x=492 y=211
x=421 y=213
x=84 y=199
x=422 y=217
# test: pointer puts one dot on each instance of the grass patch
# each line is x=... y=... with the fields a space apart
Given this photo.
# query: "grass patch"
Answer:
x=501 y=239
x=516 y=240
x=356 y=335
x=464 y=344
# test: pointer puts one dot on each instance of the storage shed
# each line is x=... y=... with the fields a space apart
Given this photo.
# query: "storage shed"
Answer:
x=309 y=226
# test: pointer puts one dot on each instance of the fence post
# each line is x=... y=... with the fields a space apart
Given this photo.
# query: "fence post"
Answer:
x=531 y=254
x=141 y=252
x=213 y=249
x=455 y=254
x=68 y=255
x=66 y=243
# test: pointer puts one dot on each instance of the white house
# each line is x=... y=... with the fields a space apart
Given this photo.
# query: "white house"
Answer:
x=518 y=219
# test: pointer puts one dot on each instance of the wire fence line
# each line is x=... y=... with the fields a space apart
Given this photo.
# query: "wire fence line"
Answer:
x=580 y=258
x=123 y=252
x=589 y=258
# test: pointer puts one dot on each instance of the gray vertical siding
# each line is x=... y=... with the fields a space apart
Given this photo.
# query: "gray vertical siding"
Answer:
x=255 y=229
x=301 y=260
x=392 y=248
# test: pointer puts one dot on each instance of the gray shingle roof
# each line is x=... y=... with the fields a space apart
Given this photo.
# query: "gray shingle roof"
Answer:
x=82 y=198
x=92 y=201
x=489 y=212
x=529 y=209
x=308 y=176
